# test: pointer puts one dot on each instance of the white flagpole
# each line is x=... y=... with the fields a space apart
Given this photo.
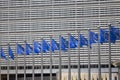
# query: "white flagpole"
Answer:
x=8 y=41
x=89 y=70
x=33 y=72
x=32 y=42
x=16 y=63
x=8 y=64
x=33 y=64
x=79 y=75
x=69 y=55
x=99 y=56
x=60 y=72
x=0 y=64
x=25 y=62
x=110 y=76
x=50 y=57
x=42 y=61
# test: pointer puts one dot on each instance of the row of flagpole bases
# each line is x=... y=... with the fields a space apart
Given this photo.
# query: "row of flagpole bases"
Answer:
x=93 y=38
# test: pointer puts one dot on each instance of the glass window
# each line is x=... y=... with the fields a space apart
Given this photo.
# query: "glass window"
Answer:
x=115 y=78
x=3 y=67
x=37 y=67
x=12 y=67
x=20 y=67
x=65 y=66
x=46 y=67
x=41 y=2
x=19 y=2
x=28 y=67
x=105 y=78
x=3 y=3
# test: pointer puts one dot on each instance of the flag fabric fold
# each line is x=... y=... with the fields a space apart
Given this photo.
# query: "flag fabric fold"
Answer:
x=37 y=47
x=29 y=49
x=3 y=54
x=73 y=42
x=64 y=44
x=55 y=45
x=104 y=36
x=11 y=52
x=45 y=46
x=115 y=32
x=93 y=38
x=83 y=41
x=20 y=49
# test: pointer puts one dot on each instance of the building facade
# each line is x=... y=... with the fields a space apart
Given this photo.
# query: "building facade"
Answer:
x=28 y=20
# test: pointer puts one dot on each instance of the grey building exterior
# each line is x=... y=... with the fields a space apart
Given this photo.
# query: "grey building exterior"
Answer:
x=28 y=20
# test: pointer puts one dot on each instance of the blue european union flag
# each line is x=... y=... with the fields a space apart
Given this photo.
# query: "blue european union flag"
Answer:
x=64 y=44
x=3 y=54
x=20 y=49
x=55 y=45
x=73 y=42
x=37 y=47
x=29 y=49
x=115 y=32
x=83 y=41
x=104 y=36
x=45 y=46
x=11 y=52
x=93 y=37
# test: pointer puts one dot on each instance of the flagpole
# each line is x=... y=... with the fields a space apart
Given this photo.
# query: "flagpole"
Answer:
x=42 y=60
x=25 y=62
x=79 y=75
x=89 y=71
x=60 y=72
x=109 y=39
x=51 y=43
x=16 y=63
x=33 y=58
x=0 y=64
x=69 y=65
x=8 y=43
x=50 y=57
x=99 y=56
x=8 y=64
x=33 y=72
